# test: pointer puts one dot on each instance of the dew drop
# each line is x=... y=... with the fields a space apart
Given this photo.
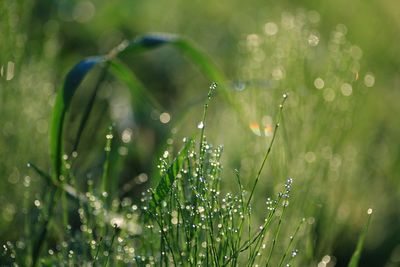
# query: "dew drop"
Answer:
x=165 y=117
x=270 y=28
x=213 y=87
x=319 y=83
x=369 y=80
x=126 y=135
x=346 y=89
x=313 y=40
x=37 y=203
x=200 y=125
x=165 y=154
x=174 y=220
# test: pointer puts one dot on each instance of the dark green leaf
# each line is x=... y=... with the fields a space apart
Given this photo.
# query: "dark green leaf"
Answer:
x=63 y=101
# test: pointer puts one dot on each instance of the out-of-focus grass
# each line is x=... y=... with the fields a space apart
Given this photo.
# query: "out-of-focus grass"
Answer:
x=42 y=40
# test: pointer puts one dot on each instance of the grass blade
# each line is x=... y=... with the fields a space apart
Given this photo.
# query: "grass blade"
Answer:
x=138 y=91
x=187 y=48
x=152 y=41
x=63 y=101
x=89 y=107
x=81 y=69
x=41 y=173
x=164 y=186
x=355 y=258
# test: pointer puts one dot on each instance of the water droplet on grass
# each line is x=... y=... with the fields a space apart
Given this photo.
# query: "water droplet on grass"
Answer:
x=37 y=203
x=165 y=117
x=200 y=125
x=165 y=154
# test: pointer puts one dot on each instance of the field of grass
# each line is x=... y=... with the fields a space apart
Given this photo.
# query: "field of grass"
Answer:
x=199 y=133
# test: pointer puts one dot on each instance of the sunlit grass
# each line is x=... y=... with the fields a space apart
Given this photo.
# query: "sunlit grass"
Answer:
x=325 y=76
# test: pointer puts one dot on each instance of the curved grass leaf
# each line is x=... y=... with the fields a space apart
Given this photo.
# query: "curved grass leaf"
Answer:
x=74 y=78
x=63 y=101
x=186 y=47
x=89 y=106
x=124 y=74
x=151 y=41
x=80 y=70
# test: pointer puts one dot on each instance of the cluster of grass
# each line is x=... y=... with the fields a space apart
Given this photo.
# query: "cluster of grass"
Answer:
x=189 y=218
x=195 y=223
x=208 y=228
x=186 y=219
x=328 y=86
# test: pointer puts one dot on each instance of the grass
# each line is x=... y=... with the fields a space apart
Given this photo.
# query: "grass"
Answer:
x=187 y=197
x=189 y=188
x=186 y=219
x=190 y=217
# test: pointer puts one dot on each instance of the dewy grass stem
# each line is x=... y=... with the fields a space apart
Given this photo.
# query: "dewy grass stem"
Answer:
x=290 y=242
x=202 y=126
x=269 y=149
x=43 y=233
x=276 y=234
x=107 y=149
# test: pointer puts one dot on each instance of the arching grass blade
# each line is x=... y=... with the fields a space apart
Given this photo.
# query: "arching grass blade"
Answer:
x=63 y=101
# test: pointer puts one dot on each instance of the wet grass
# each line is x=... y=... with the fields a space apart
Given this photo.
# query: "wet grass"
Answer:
x=189 y=217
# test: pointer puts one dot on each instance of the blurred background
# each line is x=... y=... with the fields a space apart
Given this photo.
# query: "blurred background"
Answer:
x=338 y=60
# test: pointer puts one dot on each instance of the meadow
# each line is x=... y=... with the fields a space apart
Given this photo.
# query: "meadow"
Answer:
x=199 y=133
